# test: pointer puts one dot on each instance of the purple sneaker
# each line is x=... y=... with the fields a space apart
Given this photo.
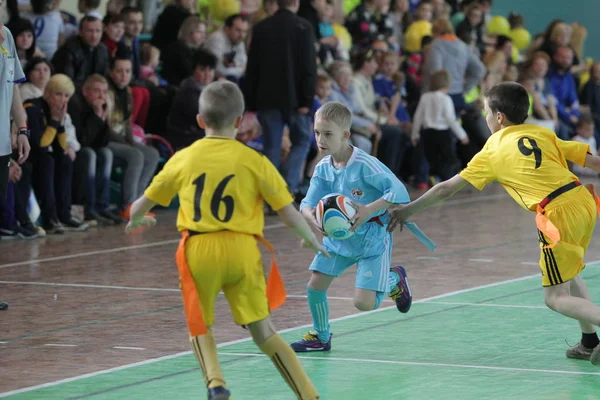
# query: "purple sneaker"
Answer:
x=311 y=342
x=401 y=292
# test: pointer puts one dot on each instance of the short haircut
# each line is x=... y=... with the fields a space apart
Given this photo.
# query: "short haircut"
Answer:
x=229 y=21
x=439 y=80
x=204 y=58
x=149 y=51
x=511 y=99
x=323 y=78
x=190 y=25
x=220 y=104
x=111 y=18
x=337 y=113
x=34 y=62
x=94 y=78
x=130 y=10
x=540 y=54
x=442 y=26
x=93 y=4
x=88 y=19
x=339 y=66
x=584 y=119
x=392 y=54
x=60 y=82
x=285 y=3
x=122 y=54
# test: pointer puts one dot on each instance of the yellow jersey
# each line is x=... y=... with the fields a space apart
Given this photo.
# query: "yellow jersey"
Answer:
x=529 y=161
x=221 y=185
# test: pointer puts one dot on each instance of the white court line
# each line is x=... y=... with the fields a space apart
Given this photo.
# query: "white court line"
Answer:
x=529 y=263
x=3 y=342
x=303 y=296
x=426 y=364
x=83 y=285
x=106 y=251
x=483 y=260
x=163 y=242
x=233 y=342
x=128 y=348
x=60 y=345
x=485 y=305
x=427 y=258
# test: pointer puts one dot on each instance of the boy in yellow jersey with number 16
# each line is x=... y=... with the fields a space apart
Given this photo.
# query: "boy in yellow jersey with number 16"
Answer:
x=531 y=163
x=221 y=185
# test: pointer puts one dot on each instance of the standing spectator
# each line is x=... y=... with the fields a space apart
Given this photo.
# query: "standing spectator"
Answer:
x=564 y=89
x=93 y=165
x=10 y=106
x=447 y=52
x=280 y=84
x=83 y=55
x=140 y=161
x=227 y=44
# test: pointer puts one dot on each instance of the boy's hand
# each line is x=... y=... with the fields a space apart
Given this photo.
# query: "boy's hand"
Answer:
x=314 y=222
x=361 y=216
x=398 y=215
x=136 y=225
x=315 y=246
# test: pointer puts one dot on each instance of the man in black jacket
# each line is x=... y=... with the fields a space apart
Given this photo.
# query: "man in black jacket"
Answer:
x=93 y=165
x=280 y=85
x=83 y=55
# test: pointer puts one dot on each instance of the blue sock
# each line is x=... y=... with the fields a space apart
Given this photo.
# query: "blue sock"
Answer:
x=319 y=309
x=378 y=299
x=393 y=280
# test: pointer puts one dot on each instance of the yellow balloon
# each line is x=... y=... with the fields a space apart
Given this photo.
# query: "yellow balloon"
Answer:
x=498 y=25
x=343 y=35
x=521 y=38
x=415 y=32
x=222 y=9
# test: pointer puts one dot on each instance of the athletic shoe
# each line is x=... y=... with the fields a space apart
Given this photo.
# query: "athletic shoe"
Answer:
x=218 y=393
x=579 y=352
x=401 y=292
x=311 y=342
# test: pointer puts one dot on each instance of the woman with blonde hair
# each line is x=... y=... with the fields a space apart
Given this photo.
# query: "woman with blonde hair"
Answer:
x=178 y=57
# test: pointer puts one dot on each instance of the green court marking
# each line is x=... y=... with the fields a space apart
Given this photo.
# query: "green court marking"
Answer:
x=482 y=344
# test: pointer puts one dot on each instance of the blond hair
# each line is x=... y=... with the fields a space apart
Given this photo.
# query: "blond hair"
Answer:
x=337 y=113
x=94 y=78
x=190 y=24
x=221 y=103
x=60 y=82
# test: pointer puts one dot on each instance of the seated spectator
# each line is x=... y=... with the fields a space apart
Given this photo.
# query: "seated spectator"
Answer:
x=182 y=125
x=420 y=28
x=37 y=72
x=139 y=161
x=114 y=29
x=169 y=23
x=93 y=165
x=178 y=56
x=25 y=41
x=83 y=55
x=134 y=23
x=52 y=155
x=435 y=124
x=544 y=103
x=48 y=24
x=564 y=89
x=227 y=44
x=369 y=21
x=388 y=86
x=329 y=43
x=150 y=62
x=528 y=80
x=584 y=133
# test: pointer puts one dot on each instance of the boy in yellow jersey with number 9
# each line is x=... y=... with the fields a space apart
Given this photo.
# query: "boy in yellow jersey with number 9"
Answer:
x=531 y=163
x=221 y=185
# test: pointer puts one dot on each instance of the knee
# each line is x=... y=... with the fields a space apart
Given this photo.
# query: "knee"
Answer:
x=151 y=155
x=135 y=158
x=261 y=331
x=105 y=154
x=364 y=304
x=552 y=300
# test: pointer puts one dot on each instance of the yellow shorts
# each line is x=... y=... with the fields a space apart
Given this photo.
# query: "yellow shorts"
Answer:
x=574 y=215
x=231 y=262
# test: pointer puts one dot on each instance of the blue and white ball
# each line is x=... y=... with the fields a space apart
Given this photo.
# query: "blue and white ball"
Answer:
x=334 y=213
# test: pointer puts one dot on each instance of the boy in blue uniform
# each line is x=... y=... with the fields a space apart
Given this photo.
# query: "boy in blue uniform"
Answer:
x=373 y=187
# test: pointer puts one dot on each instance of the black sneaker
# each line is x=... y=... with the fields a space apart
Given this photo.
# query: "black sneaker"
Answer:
x=53 y=226
x=8 y=234
x=27 y=231
x=72 y=225
x=115 y=218
x=98 y=218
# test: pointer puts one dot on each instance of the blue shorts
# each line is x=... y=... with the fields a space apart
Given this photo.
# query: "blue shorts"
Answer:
x=372 y=272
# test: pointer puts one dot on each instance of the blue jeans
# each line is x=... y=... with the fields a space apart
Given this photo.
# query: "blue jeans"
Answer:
x=272 y=123
x=98 y=165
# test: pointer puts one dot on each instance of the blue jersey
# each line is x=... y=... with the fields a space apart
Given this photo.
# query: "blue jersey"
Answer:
x=364 y=180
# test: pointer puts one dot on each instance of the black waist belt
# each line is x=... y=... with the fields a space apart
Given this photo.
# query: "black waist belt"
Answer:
x=558 y=192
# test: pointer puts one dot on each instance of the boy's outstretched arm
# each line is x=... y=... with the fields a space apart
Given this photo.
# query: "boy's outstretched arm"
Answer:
x=592 y=162
x=438 y=193
x=137 y=214
x=293 y=219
